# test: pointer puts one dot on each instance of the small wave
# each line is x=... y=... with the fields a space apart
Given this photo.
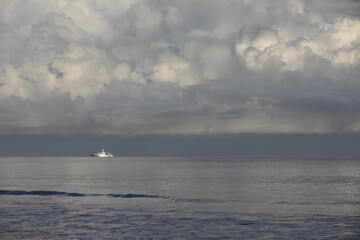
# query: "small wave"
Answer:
x=112 y=195
x=72 y=194
x=41 y=193
x=132 y=195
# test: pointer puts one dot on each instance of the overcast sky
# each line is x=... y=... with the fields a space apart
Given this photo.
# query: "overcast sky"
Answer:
x=183 y=67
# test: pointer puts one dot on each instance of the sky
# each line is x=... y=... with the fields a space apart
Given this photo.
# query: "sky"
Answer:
x=180 y=69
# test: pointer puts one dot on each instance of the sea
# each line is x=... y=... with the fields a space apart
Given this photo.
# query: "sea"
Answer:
x=179 y=198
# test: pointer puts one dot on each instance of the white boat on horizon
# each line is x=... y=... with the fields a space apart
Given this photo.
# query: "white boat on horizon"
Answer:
x=102 y=154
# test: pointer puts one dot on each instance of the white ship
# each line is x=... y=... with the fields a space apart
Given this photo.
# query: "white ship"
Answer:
x=102 y=154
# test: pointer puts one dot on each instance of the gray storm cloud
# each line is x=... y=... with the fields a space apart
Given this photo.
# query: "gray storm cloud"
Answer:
x=179 y=67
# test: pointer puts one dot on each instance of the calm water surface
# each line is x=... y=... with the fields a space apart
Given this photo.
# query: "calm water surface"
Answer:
x=179 y=198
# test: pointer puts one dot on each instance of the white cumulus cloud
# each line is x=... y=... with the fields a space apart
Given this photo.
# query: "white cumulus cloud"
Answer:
x=179 y=67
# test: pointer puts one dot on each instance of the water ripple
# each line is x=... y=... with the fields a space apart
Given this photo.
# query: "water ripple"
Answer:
x=41 y=193
x=113 y=195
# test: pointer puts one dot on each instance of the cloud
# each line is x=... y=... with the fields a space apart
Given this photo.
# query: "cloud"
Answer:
x=179 y=67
